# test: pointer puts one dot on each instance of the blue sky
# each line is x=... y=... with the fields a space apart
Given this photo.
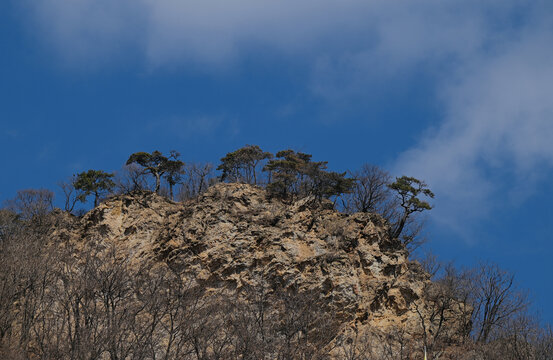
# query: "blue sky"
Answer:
x=458 y=93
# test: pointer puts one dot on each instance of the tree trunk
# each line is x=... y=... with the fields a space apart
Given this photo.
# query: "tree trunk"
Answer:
x=399 y=228
x=158 y=182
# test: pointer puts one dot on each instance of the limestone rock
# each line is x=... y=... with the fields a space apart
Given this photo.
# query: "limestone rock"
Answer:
x=235 y=235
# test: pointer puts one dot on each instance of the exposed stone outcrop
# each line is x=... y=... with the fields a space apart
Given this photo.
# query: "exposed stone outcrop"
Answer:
x=234 y=236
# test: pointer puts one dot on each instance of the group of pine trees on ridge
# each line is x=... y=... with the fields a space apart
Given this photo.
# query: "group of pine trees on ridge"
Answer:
x=288 y=174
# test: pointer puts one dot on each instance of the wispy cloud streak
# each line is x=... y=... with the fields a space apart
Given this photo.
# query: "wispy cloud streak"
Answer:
x=495 y=142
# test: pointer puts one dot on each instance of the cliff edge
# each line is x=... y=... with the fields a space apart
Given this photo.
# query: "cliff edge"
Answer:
x=235 y=237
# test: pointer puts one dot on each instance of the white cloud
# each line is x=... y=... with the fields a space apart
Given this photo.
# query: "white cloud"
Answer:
x=497 y=136
x=216 y=31
x=87 y=32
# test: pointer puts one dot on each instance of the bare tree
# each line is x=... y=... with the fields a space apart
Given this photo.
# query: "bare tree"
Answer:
x=32 y=203
x=304 y=326
x=25 y=274
x=430 y=263
x=357 y=345
x=544 y=344
x=445 y=309
x=130 y=178
x=397 y=344
x=496 y=300
x=9 y=225
x=397 y=202
x=70 y=194
x=520 y=338
x=197 y=179
x=370 y=192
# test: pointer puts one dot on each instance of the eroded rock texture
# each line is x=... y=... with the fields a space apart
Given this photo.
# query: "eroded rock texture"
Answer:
x=235 y=237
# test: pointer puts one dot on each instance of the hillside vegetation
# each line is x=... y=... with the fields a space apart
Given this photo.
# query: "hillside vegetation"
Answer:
x=278 y=258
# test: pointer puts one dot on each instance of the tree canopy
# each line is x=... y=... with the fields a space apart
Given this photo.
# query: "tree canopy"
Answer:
x=93 y=182
x=174 y=170
x=293 y=174
x=241 y=165
x=158 y=165
x=408 y=190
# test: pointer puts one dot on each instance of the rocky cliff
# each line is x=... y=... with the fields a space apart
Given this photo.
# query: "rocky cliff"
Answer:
x=235 y=237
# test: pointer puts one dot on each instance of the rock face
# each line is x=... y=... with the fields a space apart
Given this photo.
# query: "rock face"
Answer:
x=235 y=236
